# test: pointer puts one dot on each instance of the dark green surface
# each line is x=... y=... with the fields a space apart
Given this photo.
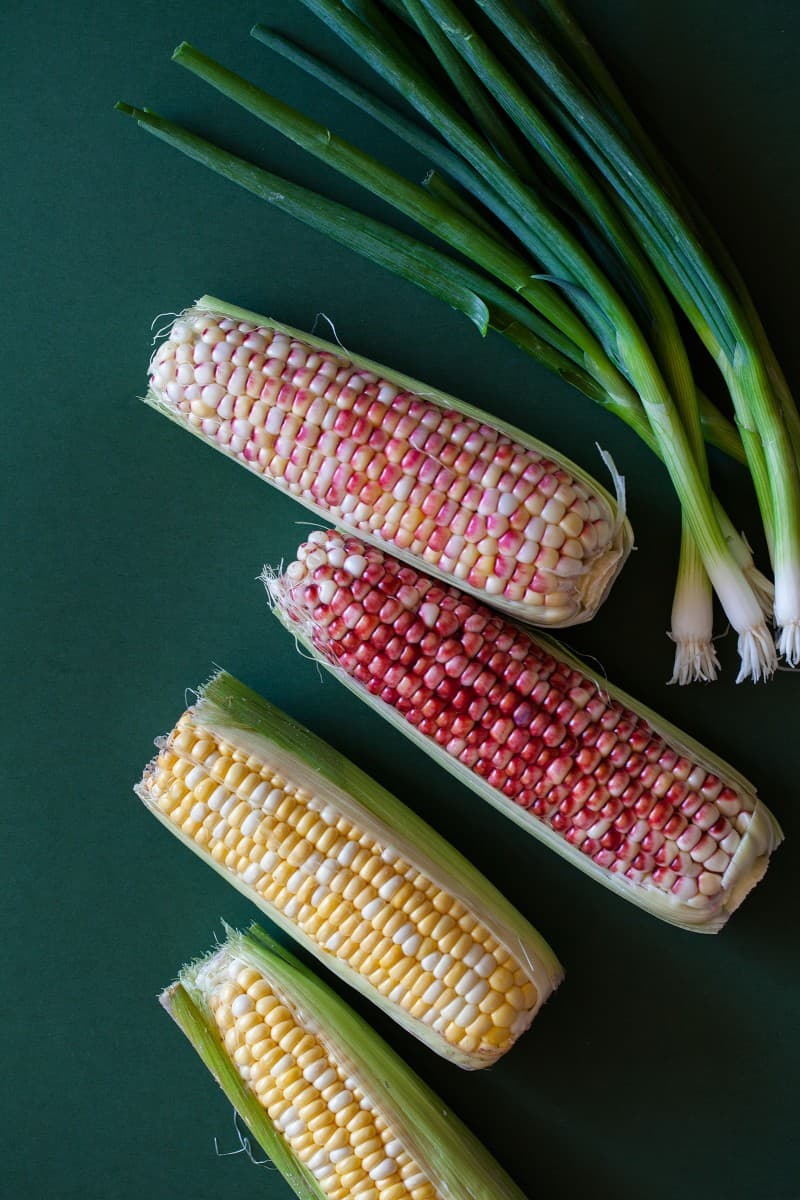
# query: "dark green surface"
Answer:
x=668 y=1064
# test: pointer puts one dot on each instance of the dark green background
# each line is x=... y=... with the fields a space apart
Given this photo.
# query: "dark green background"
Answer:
x=667 y=1065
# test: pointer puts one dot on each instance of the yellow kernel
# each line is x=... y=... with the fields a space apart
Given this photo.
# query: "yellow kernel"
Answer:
x=501 y=980
x=348 y=1114
x=504 y=1016
x=498 y=1036
x=235 y=775
x=529 y=996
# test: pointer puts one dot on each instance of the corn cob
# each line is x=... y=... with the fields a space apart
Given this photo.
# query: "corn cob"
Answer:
x=433 y=480
x=602 y=780
x=336 y=1110
x=351 y=873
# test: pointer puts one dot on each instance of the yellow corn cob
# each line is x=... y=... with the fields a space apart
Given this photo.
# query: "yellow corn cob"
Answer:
x=345 y=868
x=432 y=480
x=339 y=1114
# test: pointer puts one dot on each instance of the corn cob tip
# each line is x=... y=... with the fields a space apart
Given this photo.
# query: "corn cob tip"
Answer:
x=602 y=780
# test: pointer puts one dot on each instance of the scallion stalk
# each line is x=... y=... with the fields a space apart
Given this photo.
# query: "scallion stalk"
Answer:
x=709 y=300
x=560 y=252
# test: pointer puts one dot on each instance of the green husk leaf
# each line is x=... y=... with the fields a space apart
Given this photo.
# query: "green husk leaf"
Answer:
x=190 y=1013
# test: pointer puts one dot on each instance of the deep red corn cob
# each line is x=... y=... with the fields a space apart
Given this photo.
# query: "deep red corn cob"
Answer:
x=605 y=782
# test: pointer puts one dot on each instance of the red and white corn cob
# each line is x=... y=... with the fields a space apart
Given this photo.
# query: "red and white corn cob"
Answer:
x=438 y=483
x=607 y=783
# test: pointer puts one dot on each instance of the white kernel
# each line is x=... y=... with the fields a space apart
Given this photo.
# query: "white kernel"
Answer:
x=371 y=910
x=718 y=862
x=467 y=981
x=180 y=332
x=356 y=564
x=225 y=407
x=295 y=882
x=411 y=945
x=318 y=895
x=389 y=888
x=313 y=862
x=393 y=1148
x=336 y=556
x=429 y=614
x=432 y=993
x=325 y=1080
x=268 y=861
x=334 y=941
x=229 y=805
x=326 y=591
x=312 y=1072
x=383 y=1170
x=348 y=853
x=295 y=1128
x=273 y=800
x=281 y=1067
x=198 y=812
x=195 y=776
x=241 y=1005
x=205 y=376
x=211 y=334
x=251 y=823
x=252 y=874
x=431 y=961
x=467 y=1015
x=404 y=932
x=340 y=1101
x=259 y=793
x=478 y=993
x=473 y=955
x=329 y=815
x=326 y=871
x=507 y=504
x=486 y=966
x=341 y=1153
x=415 y=1181
x=443 y=966
x=219 y=830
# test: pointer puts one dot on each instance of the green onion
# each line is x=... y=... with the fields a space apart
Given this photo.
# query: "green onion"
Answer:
x=708 y=299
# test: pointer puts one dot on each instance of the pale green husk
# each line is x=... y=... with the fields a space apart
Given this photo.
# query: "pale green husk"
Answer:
x=233 y=711
x=747 y=866
x=594 y=584
x=454 y=1160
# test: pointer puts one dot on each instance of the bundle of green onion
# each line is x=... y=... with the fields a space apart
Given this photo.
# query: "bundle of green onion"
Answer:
x=573 y=239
